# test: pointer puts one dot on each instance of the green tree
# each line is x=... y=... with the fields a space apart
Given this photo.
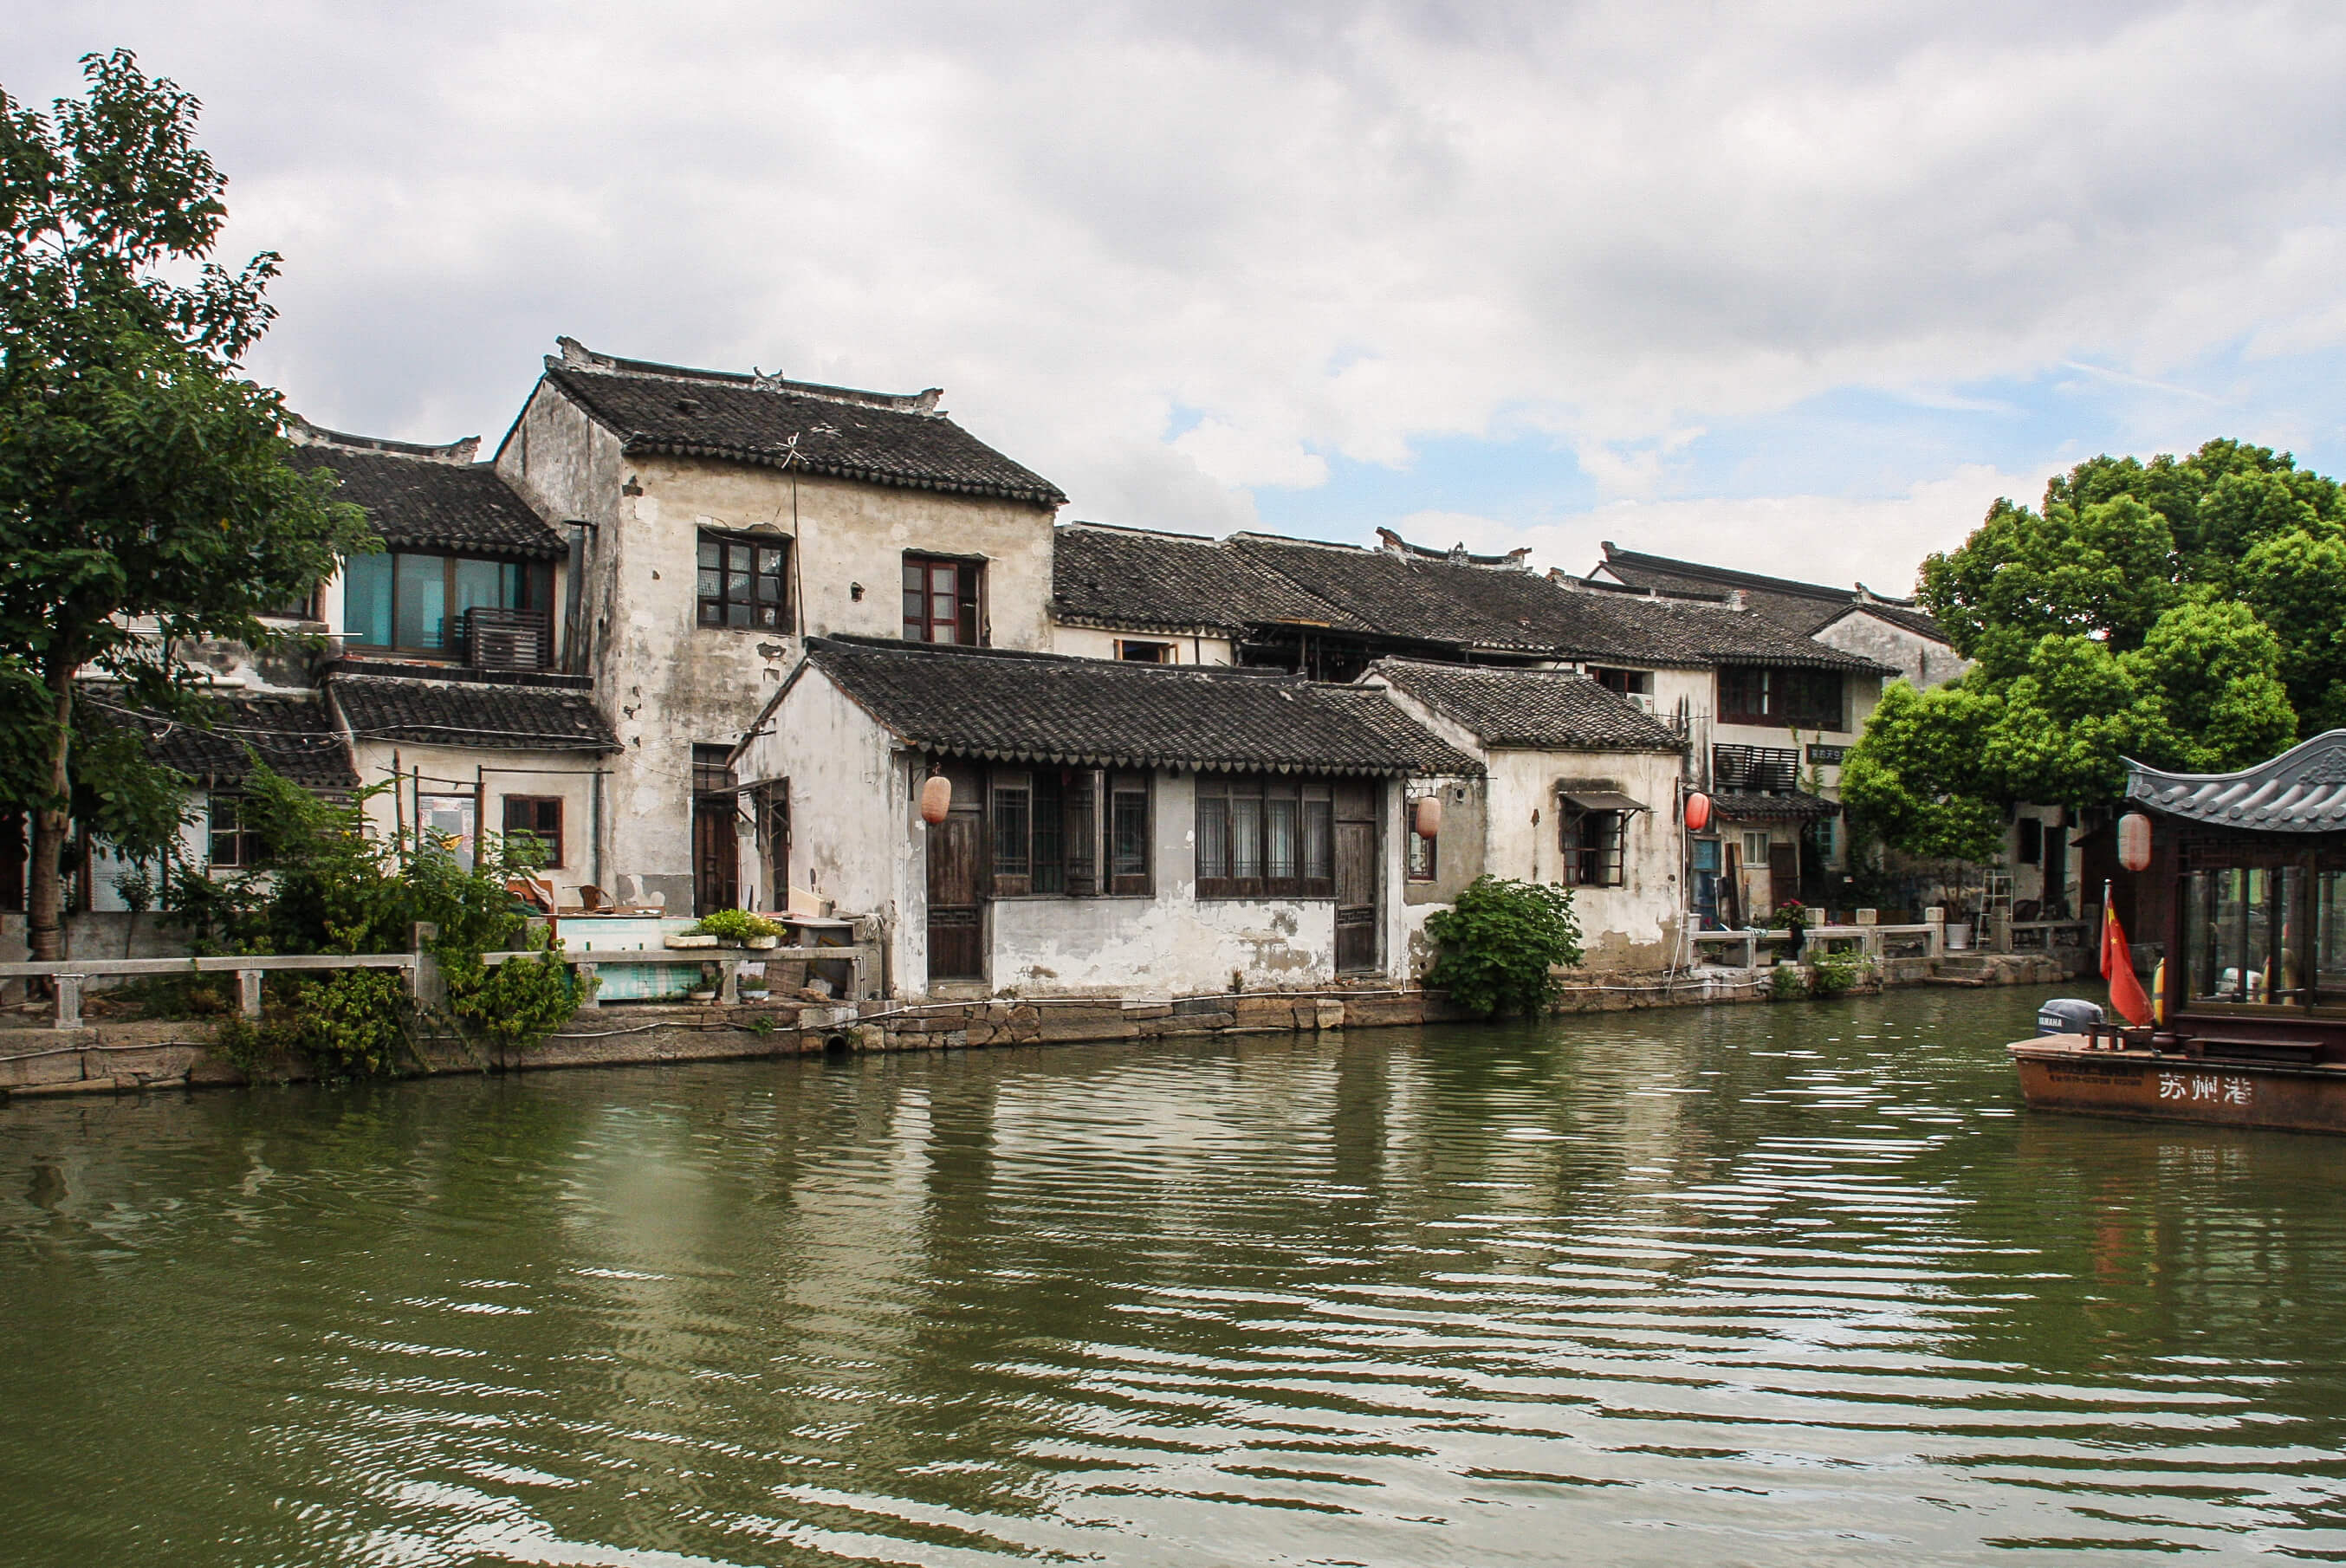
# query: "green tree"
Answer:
x=2187 y=612
x=145 y=495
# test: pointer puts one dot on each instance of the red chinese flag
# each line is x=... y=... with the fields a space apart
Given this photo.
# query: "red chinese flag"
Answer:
x=2118 y=967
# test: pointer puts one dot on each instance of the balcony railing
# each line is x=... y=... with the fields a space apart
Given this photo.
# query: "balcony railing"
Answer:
x=1757 y=769
x=508 y=639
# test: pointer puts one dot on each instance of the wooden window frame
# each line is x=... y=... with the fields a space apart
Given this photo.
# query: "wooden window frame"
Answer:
x=1784 y=696
x=1219 y=797
x=1597 y=859
x=968 y=592
x=1161 y=652
x=536 y=804
x=716 y=610
x=244 y=849
x=1423 y=863
x=1051 y=832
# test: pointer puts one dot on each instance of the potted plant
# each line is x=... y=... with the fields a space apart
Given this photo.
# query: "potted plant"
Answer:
x=738 y=928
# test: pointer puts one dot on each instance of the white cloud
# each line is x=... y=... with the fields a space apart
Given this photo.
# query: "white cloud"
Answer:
x=1323 y=228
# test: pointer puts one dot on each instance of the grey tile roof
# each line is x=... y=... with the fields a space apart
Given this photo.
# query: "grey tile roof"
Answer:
x=1172 y=582
x=1804 y=608
x=294 y=736
x=1427 y=752
x=1119 y=578
x=494 y=718
x=1733 y=807
x=876 y=437
x=1608 y=626
x=1532 y=709
x=422 y=502
x=1044 y=707
x=1411 y=598
x=2302 y=790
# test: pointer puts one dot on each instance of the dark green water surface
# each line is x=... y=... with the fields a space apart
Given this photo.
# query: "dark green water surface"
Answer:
x=1791 y=1285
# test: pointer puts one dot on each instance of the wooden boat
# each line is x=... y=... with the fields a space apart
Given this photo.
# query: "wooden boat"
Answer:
x=2247 y=879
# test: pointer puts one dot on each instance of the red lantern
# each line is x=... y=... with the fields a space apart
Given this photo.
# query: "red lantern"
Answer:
x=1697 y=813
x=1428 y=818
x=936 y=799
x=2134 y=841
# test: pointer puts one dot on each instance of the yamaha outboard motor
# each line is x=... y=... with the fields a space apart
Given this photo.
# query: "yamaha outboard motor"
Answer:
x=2067 y=1016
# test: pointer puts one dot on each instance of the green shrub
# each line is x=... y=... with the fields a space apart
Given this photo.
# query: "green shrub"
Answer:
x=736 y=925
x=1833 y=973
x=517 y=1003
x=1785 y=984
x=330 y=885
x=1498 y=943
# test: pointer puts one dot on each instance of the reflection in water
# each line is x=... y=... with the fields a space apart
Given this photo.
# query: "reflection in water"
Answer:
x=1747 y=1285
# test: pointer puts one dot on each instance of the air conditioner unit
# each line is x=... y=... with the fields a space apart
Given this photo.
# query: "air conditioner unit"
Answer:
x=505 y=639
x=1643 y=701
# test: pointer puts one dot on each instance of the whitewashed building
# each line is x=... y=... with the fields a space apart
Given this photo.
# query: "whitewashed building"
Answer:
x=1115 y=827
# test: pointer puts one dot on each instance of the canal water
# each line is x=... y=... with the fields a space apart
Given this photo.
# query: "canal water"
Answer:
x=1791 y=1285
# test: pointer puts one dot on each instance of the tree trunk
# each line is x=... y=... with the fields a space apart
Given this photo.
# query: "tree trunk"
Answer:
x=43 y=884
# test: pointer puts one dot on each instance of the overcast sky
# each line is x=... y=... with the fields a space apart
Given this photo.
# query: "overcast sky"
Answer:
x=1799 y=293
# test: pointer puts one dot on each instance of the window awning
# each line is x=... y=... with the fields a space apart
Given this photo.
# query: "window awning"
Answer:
x=1601 y=800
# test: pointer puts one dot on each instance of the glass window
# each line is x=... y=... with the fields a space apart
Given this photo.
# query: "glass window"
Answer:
x=537 y=817
x=234 y=845
x=482 y=585
x=1046 y=830
x=1246 y=831
x=2241 y=934
x=1265 y=837
x=366 y=600
x=1129 y=851
x=1213 y=840
x=1050 y=839
x=743 y=582
x=941 y=600
x=1592 y=848
x=2329 y=936
x=1012 y=805
x=423 y=601
x=1279 y=835
x=416 y=603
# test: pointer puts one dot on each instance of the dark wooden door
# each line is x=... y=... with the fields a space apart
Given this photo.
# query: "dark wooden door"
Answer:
x=715 y=855
x=1783 y=873
x=956 y=853
x=1356 y=877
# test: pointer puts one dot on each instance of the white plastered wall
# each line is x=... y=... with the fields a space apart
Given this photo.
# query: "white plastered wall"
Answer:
x=857 y=837
x=569 y=777
x=668 y=683
x=1100 y=642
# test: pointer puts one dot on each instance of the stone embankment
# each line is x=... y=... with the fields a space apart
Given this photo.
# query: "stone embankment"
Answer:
x=121 y=1057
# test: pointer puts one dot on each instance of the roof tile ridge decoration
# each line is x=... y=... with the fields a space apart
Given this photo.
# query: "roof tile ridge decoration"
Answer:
x=1672 y=565
x=1517 y=560
x=455 y=454
x=1096 y=527
x=578 y=356
x=1257 y=536
x=1572 y=584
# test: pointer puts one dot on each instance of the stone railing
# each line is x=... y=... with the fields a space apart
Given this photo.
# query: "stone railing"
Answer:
x=1875 y=942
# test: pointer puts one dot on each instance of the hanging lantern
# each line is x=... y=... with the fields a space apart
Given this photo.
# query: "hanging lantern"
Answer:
x=2134 y=841
x=1697 y=813
x=1427 y=821
x=936 y=799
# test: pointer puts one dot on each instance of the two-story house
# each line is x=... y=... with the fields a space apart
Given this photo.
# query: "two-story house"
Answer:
x=722 y=518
